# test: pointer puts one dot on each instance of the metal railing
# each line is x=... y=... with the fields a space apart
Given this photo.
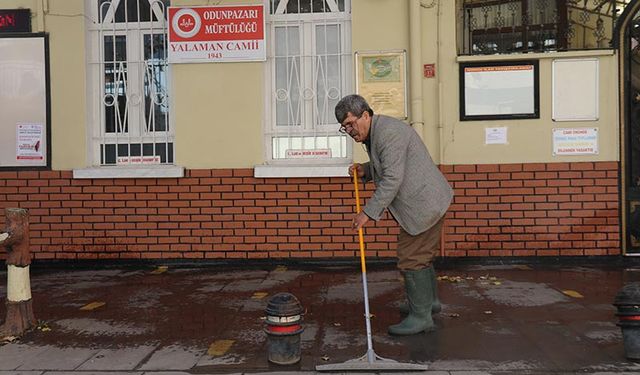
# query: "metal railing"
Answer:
x=521 y=26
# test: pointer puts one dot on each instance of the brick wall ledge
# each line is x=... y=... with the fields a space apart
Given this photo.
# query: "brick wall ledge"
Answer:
x=156 y=171
x=284 y=171
x=449 y=263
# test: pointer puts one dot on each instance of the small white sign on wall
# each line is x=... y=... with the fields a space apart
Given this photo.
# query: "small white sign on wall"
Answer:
x=153 y=159
x=29 y=142
x=306 y=154
x=495 y=136
x=575 y=141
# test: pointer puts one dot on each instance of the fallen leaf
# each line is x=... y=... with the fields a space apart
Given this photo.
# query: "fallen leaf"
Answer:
x=159 y=270
x=219 y=347
x=573 y=293
x=454 y=315
x=92 y=306
x=259 y=295
x=497 y=283
x=488 y=312
x=451 y=279
x=325 y=357
x=522 y=267
x=337 y=324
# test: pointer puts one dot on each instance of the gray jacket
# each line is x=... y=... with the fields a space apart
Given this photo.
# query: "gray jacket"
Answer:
x=407 y=181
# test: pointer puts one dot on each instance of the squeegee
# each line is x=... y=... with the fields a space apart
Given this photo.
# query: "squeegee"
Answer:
x=369 y=361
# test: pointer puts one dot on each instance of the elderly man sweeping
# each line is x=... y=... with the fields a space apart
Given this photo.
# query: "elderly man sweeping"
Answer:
x=414 y=191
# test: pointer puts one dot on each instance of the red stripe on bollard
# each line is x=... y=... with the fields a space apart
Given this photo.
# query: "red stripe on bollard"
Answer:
x=633 y=317
x=285 y=329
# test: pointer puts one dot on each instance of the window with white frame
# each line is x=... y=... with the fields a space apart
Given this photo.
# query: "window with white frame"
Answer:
x=309 y=66
x=128 y=83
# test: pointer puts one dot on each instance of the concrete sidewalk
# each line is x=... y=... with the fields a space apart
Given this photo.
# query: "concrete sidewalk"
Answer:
x=496 y=319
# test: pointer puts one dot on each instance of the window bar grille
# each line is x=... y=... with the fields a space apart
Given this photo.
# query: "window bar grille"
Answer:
x=339 y=90
x=541 y=25
x=469 y=32
x=118 y=125
x=165 y=95
x=145 y=122
x=136 y=94
x=539 y=9
x=301 y=80
x=102 y=66
x=314 y=92
x=125 y=70
x=513 y=8
x=302 y=96
x=325 y=99
x=319 y=65
x=498 y=25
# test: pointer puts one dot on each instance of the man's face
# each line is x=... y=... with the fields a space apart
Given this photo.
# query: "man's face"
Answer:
x=357 y=127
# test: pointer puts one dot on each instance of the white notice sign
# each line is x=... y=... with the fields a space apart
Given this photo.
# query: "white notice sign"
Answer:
x=575 y=141
x=29 y=142
x=154 y=159
x=495 y=136
x=305 y=154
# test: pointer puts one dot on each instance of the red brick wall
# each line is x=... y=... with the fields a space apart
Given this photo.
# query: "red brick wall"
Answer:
x=510 y=209
x=534 y=209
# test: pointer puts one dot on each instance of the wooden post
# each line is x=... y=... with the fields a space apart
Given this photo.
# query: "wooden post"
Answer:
x=15 y=240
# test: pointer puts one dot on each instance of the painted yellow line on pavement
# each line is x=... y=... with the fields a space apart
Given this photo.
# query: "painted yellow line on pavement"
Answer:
x=159 y=270
x=92 y=306
x=219 y=347
x=259 y=295
x=572 y=293
x=280 y=269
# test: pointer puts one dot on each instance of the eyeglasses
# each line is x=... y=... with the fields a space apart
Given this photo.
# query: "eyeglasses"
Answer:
x=349 y=125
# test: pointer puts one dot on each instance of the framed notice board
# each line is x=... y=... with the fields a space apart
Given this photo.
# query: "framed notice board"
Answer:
x=25 y=127
x=499 y=90
x=381 y=78
x=575 y=89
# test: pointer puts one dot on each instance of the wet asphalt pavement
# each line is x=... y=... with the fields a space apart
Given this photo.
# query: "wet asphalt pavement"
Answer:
x=495 y=319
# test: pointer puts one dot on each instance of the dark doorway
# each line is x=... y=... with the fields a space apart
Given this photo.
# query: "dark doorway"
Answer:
x=632 y=137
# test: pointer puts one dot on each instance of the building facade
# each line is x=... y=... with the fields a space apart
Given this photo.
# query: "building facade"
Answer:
x=528 y=107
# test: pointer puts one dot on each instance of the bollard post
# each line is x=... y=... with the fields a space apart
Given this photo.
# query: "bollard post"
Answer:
x=627 y=302
x=283 y=328
x=15 y=239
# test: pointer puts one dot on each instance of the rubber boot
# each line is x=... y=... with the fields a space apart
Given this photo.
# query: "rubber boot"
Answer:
x=436 y=307
x=419 y=317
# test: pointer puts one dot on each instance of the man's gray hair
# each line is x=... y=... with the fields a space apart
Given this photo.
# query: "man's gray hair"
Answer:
x=355 y=104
